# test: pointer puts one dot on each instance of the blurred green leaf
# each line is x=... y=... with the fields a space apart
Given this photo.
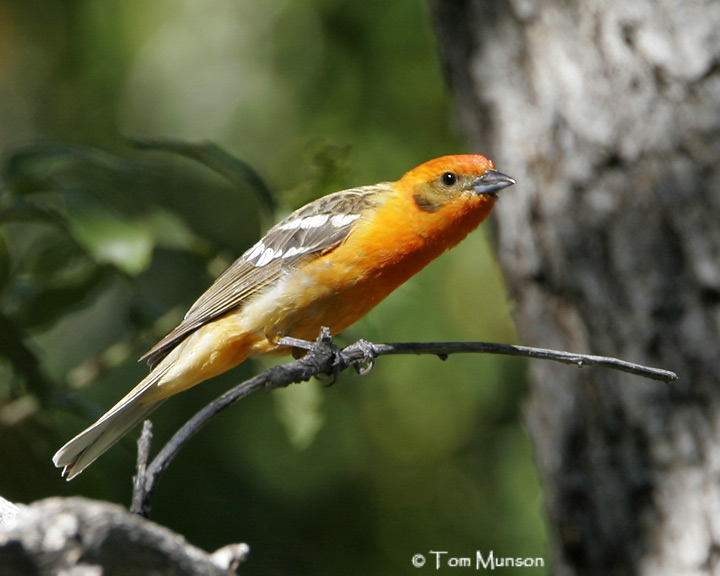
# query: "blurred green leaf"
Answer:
x=170 y=231
x=55 y=260
x=51 y=275
x=22 y=210
x=111 y=239
x=36 y=168
x=127 y=243
x=237 y=171
x=43 y=305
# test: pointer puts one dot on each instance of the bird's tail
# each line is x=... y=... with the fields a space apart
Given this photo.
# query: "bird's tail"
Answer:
x=82 y=450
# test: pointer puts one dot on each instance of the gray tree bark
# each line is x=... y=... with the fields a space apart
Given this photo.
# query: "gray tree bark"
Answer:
x=608 y=114
x=81 y=537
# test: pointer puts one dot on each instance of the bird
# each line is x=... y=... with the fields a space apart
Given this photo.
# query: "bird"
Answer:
x=327 y=264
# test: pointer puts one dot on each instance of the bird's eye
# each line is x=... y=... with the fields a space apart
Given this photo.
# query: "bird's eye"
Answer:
x=449 y=179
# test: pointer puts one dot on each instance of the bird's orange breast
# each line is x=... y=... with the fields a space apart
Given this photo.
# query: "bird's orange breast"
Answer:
x=342 y=286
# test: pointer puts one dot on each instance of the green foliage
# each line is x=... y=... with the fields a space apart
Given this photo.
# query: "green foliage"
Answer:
x=105 y=242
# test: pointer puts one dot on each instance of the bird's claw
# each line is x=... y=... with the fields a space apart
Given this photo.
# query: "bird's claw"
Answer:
x=361 y=354
x=367 y=355
x=322 y=346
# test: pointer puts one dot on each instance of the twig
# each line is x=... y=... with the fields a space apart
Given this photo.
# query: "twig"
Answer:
x=139 y=506
x=325 y=358
x=443 y=349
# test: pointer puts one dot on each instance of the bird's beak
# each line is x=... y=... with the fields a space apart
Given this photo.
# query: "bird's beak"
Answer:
x=492 y=182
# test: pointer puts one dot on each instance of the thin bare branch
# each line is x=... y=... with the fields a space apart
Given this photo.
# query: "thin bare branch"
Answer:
x=443 y=349
x=139 y=505
x=323 y=357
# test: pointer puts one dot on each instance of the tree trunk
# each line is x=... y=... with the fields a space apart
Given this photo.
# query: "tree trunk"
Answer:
x=608 y=114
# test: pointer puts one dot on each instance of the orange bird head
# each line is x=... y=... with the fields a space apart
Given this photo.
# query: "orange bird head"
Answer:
x=464 y=179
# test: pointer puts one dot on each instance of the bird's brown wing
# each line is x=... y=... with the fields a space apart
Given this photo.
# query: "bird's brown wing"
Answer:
x=315 y=228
